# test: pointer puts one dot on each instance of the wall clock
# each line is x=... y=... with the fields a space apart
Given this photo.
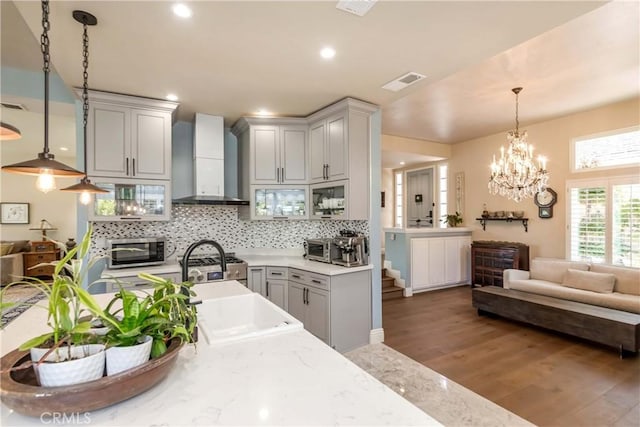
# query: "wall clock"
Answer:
x=545 y=201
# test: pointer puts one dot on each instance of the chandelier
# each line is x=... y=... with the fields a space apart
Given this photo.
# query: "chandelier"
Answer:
x=515 y=175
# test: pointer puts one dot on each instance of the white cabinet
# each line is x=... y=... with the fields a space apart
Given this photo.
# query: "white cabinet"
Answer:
x=128 y=137
x=439 y=261
x=276 y=289
x=133 y=282
x=331 y=201
x=328 y=148
x=131 y=200
x=277 y=150
x=277 y=202
x=336 y=309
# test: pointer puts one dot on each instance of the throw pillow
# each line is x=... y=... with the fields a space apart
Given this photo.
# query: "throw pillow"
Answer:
x=589 y=281
x=5 y=248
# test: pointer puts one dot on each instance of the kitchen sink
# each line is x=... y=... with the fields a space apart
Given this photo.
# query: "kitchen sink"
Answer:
x=242 y=317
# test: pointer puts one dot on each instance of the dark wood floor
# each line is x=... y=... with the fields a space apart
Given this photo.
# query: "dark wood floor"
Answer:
x=544 y=377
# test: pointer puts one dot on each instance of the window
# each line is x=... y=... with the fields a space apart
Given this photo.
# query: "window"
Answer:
x=620 y=148
x=399 y=196
x=442 y=189
x=604 y=224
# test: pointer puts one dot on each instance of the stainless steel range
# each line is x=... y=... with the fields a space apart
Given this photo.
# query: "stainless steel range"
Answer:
x=206 y=268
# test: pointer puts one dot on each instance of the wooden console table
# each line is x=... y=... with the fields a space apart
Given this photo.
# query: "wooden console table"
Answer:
x=41 y=252
x=490 y=258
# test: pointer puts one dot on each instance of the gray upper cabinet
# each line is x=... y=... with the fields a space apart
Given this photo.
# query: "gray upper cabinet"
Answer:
x=329 y=152
x=277 y=151
x=129 y=137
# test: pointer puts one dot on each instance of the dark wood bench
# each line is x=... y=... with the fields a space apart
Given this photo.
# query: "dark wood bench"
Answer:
x=616 y=328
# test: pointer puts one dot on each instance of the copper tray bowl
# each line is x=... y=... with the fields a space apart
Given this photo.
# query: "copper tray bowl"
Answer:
x=20 y=391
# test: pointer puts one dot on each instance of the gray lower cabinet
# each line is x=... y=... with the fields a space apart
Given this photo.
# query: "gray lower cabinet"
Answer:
x=276 y=289
x=133 y=282
x=256 y=279
x=336 y=309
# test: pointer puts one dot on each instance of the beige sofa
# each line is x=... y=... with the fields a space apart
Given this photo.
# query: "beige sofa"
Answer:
x=596 y=284
x=11 y=264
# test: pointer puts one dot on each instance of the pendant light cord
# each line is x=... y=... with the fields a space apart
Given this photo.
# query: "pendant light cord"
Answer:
x=44 y=47
x=85 y=89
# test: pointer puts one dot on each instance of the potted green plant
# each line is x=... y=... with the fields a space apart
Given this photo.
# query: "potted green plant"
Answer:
x=141 y=324
x=69 y=353
x=452 y=220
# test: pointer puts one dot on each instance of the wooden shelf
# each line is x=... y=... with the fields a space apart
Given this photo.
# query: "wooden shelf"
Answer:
x=525 y=222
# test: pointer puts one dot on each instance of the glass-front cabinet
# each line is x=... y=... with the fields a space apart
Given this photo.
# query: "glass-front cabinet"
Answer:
x=287 y=202
x=130 y=201
x=329 y=201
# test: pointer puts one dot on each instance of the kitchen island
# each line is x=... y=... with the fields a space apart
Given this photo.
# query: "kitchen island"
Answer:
x=287 y=379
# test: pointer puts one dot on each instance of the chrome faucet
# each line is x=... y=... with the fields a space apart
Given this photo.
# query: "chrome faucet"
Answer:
x=187 y=255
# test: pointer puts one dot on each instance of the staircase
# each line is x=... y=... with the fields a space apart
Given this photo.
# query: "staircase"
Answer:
x=389 y=288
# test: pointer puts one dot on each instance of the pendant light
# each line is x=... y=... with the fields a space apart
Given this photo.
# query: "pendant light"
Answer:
x=8 y=132
x=45 y=167
x=85 y=187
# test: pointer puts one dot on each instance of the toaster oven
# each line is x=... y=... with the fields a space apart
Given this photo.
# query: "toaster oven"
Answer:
x=322 y=250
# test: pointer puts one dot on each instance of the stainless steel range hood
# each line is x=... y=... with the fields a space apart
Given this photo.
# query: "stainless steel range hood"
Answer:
x=208 y=164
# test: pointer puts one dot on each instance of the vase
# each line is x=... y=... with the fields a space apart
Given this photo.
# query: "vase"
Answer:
x=86 y=363
x=122 y=358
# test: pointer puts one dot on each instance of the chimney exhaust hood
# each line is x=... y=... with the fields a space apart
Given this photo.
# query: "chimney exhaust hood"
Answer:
x=208 y=164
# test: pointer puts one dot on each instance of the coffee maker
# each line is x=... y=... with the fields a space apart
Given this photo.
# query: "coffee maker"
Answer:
x=353 y=249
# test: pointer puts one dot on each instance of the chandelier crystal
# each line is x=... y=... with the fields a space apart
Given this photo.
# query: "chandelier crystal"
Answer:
x=515 y=175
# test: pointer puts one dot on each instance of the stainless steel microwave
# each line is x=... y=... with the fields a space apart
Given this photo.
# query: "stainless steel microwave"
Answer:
x=322 y=250
x=139 y=252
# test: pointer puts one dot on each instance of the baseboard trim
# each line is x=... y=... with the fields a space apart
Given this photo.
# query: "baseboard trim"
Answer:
x=408 y=292
x=376 y=336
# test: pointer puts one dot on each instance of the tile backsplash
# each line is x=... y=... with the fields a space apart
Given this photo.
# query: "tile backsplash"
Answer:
x=189 y=224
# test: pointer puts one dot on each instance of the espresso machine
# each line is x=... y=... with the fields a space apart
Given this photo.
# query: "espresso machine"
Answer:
x=353 y=249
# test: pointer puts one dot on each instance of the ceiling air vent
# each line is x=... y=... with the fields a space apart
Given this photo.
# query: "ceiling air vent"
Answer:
x=357 y=7
x=13 y=106
x=403 y=81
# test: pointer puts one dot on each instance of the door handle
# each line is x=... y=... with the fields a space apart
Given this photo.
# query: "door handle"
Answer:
x=127 y=167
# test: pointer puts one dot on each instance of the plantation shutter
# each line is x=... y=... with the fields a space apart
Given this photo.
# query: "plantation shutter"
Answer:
x=588 y=207
x=626 y=225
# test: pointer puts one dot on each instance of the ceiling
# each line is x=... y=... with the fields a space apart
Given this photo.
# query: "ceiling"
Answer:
x=233 y=58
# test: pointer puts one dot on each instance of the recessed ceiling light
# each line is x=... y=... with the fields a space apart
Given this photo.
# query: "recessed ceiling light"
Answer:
x=263 y=112
x=182 y=10
x=172 y=97
x=328 y=52
x=401 y=163
x=64 y=149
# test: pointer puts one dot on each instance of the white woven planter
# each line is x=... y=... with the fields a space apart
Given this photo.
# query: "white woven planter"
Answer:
x=86 y=364
x=122 y=358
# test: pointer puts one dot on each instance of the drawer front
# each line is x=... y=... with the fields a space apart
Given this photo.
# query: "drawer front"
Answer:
x=318 y=281
x=276 y=273
x=298 y=276
x=37 y=258
x=39 y=271
x=39 y=246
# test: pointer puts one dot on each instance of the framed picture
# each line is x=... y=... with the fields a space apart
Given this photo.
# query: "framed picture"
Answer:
x=14 y=213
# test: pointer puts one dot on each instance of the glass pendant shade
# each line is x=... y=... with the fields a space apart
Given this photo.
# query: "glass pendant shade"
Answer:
x=515 y=175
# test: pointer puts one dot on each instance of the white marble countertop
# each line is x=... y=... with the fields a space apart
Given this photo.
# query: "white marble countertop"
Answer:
x=288 y=379
x=272 y=258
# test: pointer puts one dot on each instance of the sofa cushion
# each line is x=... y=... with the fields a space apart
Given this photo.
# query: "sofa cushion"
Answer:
x=5 y=248
x=627 y=279
x=589 y=281
x=553 y=270
x=18 y=245
x=615 y=300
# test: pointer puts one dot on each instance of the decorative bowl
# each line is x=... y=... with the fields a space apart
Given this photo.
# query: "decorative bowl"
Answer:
x=500 y=214
x=20 y=392
x=518 y=214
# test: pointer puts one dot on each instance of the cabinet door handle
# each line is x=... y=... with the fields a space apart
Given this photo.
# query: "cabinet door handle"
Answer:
x=277 y=174
x=267 y=289
x=255 y=269
x=306 y=298
x=327 y=171
x=316 y=281
x=133 y=167
x=280 y=217
x=130 y=217
x=295 y=276
x=276 y=273
x=127 y=166
x=282 y=174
